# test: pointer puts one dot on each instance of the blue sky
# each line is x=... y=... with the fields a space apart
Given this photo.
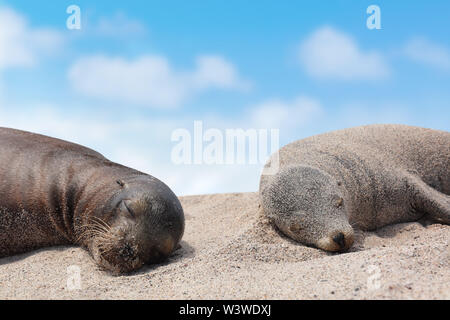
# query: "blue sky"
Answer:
x=138 y=70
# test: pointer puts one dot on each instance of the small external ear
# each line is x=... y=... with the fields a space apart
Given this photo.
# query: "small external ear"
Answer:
x=295 y=222
x=294 y=227
x=339 y=202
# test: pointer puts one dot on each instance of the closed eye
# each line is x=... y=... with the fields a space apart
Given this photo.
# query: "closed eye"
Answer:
x=127 y=207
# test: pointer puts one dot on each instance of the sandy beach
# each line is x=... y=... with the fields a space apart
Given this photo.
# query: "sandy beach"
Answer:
x=230 y=252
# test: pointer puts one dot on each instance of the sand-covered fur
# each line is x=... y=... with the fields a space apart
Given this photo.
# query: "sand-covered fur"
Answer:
x=364 y=177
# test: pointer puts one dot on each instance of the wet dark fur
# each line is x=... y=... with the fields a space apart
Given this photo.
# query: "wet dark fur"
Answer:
x=54 y=192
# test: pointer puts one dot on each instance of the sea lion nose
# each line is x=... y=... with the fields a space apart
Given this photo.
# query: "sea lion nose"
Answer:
x=340 y=240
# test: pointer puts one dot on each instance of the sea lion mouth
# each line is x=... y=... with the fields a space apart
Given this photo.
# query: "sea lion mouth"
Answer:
x=118 y=261
x=126 y=257
x=109 y=246
x=115 y=251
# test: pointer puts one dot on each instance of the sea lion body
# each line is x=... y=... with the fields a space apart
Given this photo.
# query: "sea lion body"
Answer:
x=364 y=177
x=54 y=192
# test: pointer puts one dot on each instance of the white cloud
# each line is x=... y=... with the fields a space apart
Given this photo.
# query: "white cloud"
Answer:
x=284 y=114
x=424 y=51
x=45 y=119
x=218 y=72
x=117 y=25
x=22 y=46
x=150 y=80
x=332 y=54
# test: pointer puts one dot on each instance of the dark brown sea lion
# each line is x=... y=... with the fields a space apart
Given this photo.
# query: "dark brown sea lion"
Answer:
x=364 y=177
x=54 y=192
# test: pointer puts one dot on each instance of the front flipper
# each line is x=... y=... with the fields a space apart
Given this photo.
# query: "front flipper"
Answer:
x=429 y=200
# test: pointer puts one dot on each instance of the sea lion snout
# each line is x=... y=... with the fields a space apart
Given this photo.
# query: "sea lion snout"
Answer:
x=160 y=251
x=344 y=240
x=337 y=241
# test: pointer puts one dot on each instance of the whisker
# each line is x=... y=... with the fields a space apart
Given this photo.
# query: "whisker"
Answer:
x=101 y=221
x=96 y=227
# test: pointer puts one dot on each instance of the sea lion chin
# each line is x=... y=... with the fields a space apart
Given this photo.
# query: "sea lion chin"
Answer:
x=58 y=193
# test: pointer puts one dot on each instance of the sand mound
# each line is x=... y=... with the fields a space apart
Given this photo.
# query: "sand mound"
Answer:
x=230 y=252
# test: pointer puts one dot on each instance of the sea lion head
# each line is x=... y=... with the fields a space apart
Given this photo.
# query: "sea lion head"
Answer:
x=142 y=223
x=308 y=205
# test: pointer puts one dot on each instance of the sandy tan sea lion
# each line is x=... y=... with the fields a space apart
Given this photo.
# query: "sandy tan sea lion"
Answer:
x=54 y=192
x=364 y=177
